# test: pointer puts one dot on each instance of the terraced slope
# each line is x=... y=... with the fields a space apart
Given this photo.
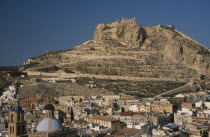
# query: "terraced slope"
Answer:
x=127 y=49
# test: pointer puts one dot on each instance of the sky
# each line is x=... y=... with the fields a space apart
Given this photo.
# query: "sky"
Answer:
x=32 y=27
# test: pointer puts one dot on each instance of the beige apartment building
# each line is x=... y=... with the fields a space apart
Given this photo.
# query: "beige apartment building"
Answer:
x=143 y=108
x=162 y=108
x=106 y=121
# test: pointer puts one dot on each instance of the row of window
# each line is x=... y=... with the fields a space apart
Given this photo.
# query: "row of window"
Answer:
x=98 y=121
x=20 y=129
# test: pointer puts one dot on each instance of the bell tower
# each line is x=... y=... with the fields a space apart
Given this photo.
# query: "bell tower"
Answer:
x=16 y=125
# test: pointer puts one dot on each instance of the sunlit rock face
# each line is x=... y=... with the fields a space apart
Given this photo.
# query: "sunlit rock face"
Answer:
x=125 y=31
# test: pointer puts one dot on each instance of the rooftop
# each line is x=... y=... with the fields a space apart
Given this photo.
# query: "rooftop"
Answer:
x=104 y=118
x=49 y=125
x=17 y=108
x=129 y=113
x=129 y=131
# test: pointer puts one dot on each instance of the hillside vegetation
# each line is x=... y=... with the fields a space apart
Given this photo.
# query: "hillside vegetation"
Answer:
x=47 y=89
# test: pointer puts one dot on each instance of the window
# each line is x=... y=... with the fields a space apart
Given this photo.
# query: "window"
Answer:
x=12 y=118
x=22 y=116
x=19 y=117
x=18 y=131
x=23 y=129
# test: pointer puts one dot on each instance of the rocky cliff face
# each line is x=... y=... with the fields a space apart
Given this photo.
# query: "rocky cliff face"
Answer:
x=125 y=48
x=123 y=31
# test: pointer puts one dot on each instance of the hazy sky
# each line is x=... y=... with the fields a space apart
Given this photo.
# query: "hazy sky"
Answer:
x=32 y=27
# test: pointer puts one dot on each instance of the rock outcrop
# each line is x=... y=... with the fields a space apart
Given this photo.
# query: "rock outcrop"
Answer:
x=133 y=35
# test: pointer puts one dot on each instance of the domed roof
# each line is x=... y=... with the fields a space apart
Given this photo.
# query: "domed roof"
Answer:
x=49 y=125
x=17 y=108
x=49 y=107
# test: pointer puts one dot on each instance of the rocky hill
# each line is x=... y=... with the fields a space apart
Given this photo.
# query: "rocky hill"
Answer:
x=129 y=50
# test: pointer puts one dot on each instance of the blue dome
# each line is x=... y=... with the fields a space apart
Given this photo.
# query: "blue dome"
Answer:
x=45 y=124
x=17 y=108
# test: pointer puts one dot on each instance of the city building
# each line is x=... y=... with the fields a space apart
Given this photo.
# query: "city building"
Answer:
x=183 y=116
x=106 y=121
x=162 y=107
x=33 y=102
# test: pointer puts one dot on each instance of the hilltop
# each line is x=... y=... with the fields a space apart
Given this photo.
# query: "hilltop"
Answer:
x=125 y=50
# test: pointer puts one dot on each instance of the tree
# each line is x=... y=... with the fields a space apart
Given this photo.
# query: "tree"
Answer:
x=55 y=68
x=6 y=123
x=204 y=106
x=195 y=87
x=184 y=134
x=66 y=70
x=202 y=77
x=122 y=109
x=177 y=106
x=116 y=106
x=72 y=114
x=92 y=49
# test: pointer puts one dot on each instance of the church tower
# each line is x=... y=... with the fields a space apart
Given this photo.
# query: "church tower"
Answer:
x=16 y=125
x=48 y=111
